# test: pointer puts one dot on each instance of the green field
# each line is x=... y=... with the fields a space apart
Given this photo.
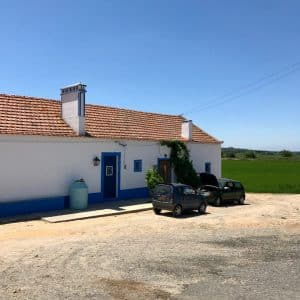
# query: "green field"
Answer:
x=264 y=175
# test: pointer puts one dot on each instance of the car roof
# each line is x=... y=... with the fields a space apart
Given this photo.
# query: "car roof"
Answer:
x=174 y=184
x=227 y=179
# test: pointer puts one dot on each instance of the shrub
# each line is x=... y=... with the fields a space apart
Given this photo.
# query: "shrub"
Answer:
x=286 y=153
x=153 y=178
x=230 y=155
x=250 y=154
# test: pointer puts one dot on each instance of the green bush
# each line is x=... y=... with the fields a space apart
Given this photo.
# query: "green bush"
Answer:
x=153 y=178
x=250 y=154
x=286 y=153
x=230 y=155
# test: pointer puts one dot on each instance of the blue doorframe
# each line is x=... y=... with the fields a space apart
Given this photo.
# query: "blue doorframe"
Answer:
x=117 y=155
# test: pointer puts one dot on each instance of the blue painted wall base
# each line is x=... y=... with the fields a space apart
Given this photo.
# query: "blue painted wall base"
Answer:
x=14 y=208
x=95 y=198
x=134 y=193
x=8 y=209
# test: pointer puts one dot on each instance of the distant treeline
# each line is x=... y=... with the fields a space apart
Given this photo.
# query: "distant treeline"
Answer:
x=231 y=152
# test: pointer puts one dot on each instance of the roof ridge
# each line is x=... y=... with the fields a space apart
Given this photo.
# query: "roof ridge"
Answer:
x=27 y=97
x=135 y=110
x=95 y=105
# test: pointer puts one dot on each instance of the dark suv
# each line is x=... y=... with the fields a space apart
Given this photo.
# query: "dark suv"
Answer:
x=177 y=198
x=222 y=190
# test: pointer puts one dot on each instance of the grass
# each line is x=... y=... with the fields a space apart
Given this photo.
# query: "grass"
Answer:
x=265 y=174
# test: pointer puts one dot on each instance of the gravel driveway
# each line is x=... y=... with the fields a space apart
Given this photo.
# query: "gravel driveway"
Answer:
x=232 y=252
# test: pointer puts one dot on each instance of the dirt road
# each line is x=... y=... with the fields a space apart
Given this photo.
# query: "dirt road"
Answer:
x=250 y=251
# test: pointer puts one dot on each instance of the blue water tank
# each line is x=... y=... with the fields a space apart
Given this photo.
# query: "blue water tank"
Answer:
x=78 y=195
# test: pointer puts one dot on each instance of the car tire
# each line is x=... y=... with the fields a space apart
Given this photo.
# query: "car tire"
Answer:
x=218 y=201
x=177 y=211
x=242 y=200
x=156 y=210
x=202 y=208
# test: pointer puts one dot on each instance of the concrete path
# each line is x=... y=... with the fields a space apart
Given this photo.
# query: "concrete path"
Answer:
x=101 y=210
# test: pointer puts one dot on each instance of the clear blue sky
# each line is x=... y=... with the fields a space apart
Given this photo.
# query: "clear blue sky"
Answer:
x=163 y=56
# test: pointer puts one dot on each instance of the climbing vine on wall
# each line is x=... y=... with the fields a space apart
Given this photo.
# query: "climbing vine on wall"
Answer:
x=181 y=163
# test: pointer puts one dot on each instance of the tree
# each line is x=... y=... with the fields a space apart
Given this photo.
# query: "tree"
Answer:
x=286 y=153
x=231 y=155
x=250 y=154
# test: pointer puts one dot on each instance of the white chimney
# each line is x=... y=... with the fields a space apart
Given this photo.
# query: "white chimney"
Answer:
x=187 y=130
x=73 y=106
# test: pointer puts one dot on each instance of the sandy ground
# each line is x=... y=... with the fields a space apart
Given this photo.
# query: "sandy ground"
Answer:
x=232 y=252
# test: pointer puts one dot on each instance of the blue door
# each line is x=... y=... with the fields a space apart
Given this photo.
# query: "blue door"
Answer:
x=109 y=176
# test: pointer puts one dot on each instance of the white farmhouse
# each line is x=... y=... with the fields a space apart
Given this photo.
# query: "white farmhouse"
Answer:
x=47 y=144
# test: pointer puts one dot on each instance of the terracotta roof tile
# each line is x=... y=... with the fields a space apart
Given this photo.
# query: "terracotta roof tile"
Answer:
x=31 y=116
x=21 y=115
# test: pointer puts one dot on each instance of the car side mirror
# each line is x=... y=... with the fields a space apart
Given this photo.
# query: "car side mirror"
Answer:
x=226 y=188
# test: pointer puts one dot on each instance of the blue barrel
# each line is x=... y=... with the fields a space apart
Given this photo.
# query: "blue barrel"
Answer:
x=78 y=195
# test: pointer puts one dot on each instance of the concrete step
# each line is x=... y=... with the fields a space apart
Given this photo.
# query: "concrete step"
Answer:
x=81 y=215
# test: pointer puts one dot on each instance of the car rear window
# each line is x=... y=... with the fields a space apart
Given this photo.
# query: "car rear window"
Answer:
x=163 y=190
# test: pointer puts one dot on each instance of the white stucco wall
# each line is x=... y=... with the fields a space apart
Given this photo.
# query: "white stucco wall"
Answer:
x=37 y=167
x=202 y=153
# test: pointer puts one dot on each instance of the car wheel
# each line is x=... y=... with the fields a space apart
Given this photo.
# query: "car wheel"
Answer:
x=242 y=200
x=156 y=210
x=177 y=211
x=218 y=201
x=202 y=208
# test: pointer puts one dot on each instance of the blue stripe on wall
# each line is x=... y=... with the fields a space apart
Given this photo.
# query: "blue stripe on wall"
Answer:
x=13 y=208
x=95 y=198
x=134 y=193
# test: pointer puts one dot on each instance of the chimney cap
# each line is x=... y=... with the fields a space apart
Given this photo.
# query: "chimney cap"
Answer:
x=73 y=87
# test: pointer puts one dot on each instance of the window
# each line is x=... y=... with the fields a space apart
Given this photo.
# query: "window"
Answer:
x=237 y=185
x=207 y=167
x=163 y=190
x=188 y=191
x=179 y=190
x=229 y=184
x=137 y=165
x=222 y=182
x=109 y=171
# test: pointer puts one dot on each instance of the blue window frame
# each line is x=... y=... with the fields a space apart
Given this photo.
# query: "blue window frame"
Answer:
x=137 y=165
x=208 y=167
